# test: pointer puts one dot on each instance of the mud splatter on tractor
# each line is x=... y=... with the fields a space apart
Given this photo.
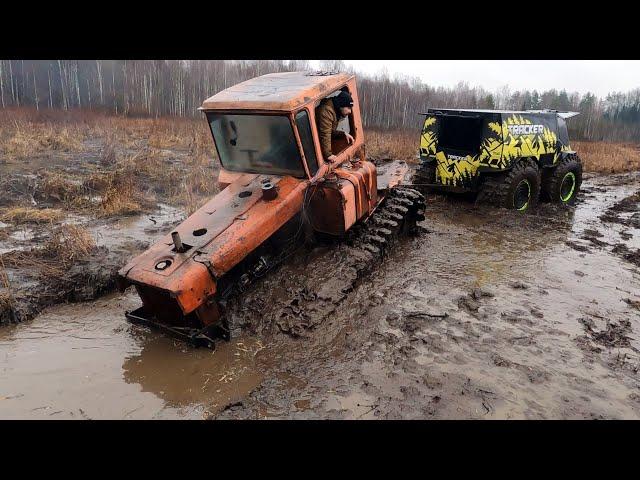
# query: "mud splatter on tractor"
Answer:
x=278 y=190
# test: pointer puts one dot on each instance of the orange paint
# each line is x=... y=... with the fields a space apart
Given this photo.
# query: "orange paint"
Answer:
x=235 y=222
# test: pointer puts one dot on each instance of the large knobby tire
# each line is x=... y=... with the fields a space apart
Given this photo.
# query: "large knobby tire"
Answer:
x=519 y=189
x=561 y=184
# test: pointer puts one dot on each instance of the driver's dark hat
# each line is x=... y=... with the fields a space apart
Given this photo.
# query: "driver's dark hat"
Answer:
x=343 y=99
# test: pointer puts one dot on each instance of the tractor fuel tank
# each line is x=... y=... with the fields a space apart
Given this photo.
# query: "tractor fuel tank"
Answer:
x=332 y=206
x=343 y=198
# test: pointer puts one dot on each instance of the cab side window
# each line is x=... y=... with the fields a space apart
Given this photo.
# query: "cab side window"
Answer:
x=304 y=130
x=563 y=134
x=345 y=124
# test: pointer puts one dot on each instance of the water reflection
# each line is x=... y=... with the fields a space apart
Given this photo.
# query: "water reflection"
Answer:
x=488 y=243
x=184 y=376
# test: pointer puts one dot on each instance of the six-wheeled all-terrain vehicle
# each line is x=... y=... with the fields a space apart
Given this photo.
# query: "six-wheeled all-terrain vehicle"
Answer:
x=278 y=188
x=511 y=158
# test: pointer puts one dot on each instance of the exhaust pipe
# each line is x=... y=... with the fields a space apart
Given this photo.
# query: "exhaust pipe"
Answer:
x=177 y=242
x=269 y=190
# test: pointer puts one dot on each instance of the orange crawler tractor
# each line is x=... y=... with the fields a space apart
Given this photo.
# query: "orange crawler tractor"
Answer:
x=278 y=189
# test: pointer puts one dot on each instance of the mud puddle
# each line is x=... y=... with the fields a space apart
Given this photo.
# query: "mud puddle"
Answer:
x=32 y=285
x=129 y=230
x=488 y=314
x=81 y=361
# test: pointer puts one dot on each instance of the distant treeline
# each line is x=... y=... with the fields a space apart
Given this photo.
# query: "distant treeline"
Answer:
x=173 y=87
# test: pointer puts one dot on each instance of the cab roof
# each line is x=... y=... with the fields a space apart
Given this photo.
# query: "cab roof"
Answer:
x=510 y=112
x=284 y=91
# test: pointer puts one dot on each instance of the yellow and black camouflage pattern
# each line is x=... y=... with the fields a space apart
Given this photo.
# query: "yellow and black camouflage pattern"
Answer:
x=500 y=146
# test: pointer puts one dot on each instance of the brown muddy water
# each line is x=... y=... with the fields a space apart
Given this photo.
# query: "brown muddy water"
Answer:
x=486 y=314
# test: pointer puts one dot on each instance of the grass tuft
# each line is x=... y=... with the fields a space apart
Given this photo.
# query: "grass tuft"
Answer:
x=66 y=245
x=605 y=157
x=22 y=215
x=29 y=140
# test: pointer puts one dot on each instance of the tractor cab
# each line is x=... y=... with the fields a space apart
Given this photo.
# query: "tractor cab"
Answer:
x=267 y=125
x=267 y=144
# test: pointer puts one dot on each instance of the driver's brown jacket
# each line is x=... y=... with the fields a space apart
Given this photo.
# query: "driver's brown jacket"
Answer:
x=327 y=121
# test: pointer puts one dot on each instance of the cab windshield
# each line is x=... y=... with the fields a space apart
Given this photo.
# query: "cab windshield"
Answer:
x=256 y=143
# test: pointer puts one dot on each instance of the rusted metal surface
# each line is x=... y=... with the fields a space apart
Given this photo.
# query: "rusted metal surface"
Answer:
x=284 y=92
x=363 y=177
x=220 y=234
x=332 y=206
x=249 y=231
x=226 y=177
x=180 y=287
x=311 y=90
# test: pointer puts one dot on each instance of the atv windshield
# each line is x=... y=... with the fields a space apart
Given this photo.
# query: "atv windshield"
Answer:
x=256 y=143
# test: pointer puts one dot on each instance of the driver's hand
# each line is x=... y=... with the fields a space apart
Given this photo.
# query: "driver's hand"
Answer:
x=349 y=138
x=331 y=158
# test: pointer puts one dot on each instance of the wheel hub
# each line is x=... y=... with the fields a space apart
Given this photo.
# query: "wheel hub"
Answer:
x=522 y=195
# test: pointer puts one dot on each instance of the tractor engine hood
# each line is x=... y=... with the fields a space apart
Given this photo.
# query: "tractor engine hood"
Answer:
x=215 y=238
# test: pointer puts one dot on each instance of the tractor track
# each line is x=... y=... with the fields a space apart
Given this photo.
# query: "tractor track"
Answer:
x=338 y=266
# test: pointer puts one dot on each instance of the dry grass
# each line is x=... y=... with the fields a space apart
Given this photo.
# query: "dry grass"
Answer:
x=6 y=297
x=6 y=303
x=198 y=184
x=117 y=189
x=114 y=189
x=189 y=135
x=604 y=157
x=24 y=132
x=190 y=200
x=124 y=165
x=166 y=140
x=185 y=134
x=27 y=133
x=120 y=198
x=60 y=187
x=396 y=144
x=188 y=183
x=22 y=215
x=122 y=189
x=150 y=165
x=27 y=140
x=66 y=245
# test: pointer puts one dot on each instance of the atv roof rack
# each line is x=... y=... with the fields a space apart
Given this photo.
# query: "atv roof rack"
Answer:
x=563 y=114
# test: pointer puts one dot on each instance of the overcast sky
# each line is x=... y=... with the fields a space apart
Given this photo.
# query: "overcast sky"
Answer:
x=596 y=76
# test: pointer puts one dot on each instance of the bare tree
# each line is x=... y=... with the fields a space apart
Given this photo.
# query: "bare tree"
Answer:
x=173 y=87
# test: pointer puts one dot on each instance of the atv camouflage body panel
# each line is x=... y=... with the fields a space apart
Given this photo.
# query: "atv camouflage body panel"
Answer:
x=465 y=143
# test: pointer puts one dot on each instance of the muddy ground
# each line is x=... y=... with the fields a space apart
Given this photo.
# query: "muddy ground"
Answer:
x=121 y=197
x=485 y=314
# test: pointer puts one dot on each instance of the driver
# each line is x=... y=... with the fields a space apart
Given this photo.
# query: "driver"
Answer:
x=328 y=114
